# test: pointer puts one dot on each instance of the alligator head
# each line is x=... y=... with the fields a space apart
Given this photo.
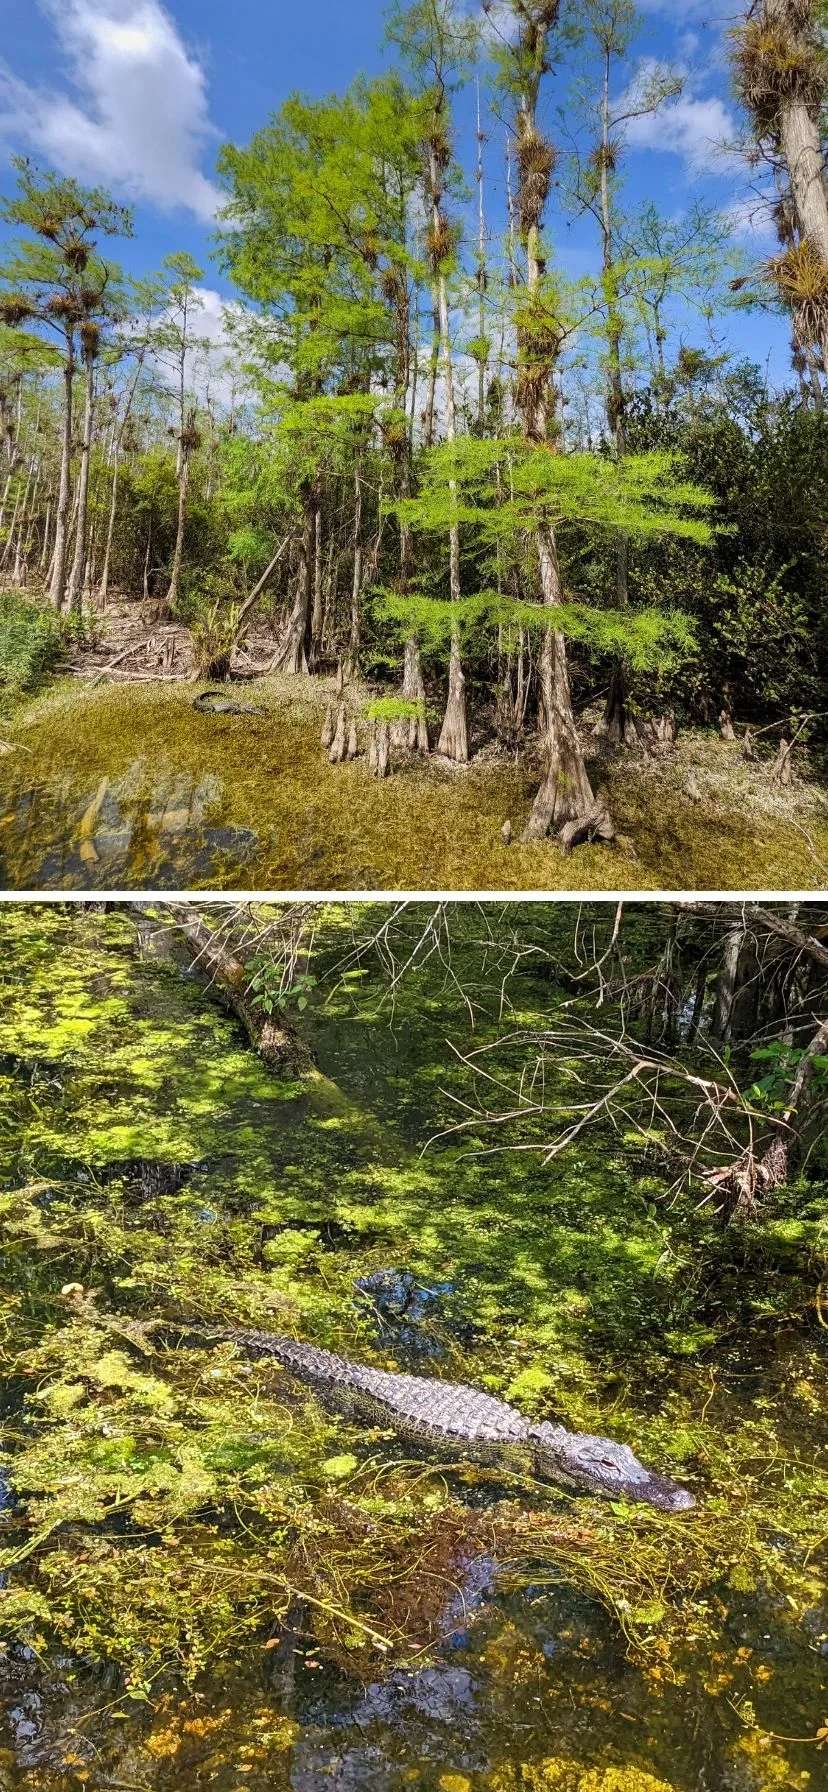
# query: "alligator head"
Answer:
x=600 y=1466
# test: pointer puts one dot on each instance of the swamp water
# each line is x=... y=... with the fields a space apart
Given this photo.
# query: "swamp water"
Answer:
x=129 y=788
x=211 y=1581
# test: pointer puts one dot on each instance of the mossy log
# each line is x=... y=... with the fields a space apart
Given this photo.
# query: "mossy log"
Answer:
x=271 y=1035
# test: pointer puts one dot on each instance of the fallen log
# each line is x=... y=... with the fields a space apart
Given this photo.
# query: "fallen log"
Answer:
x=271 y=1035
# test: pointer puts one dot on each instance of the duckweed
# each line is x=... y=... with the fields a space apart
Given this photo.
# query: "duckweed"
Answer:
x=224 y=1574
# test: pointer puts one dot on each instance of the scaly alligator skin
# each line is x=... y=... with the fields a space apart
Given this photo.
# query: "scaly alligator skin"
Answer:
x=468 y=1422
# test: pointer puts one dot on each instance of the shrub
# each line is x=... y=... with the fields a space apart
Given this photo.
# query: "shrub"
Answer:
x=30 y=643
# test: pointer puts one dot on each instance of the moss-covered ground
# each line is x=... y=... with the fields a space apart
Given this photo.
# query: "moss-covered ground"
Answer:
x=209 y=1579
x=130 y=788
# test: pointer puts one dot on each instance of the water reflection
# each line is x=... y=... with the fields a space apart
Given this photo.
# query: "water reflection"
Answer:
x=529 y=1690
x=147 y=829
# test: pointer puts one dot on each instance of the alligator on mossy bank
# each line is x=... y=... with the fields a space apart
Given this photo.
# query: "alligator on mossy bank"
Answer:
x=466 y=1421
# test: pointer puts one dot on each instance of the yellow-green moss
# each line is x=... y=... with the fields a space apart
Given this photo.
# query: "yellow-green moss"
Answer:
x=317 y=826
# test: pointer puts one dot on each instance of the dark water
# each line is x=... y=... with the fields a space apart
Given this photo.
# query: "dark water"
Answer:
x=531 y=1686
x=531 y=1689
x=139 y=831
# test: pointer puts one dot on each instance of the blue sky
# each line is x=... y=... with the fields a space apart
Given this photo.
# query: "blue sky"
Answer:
x=138 y=94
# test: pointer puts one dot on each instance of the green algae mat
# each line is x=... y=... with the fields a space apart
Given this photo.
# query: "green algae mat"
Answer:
x=207 y=1579
x=130 y=788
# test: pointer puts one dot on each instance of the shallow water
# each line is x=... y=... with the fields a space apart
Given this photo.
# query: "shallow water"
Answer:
x=131 y=788
x=140 y=831
x=117 y=1081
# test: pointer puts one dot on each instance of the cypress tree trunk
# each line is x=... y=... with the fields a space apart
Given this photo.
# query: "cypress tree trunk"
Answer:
x=292 y=654
x=58 y=579
x=103 y=590
x=565 y=794
x=782 y=78
x=412 y=733
x=565 y=798
x=454 y=739
x=801 y=145
x=802 y=148
x=74 y=594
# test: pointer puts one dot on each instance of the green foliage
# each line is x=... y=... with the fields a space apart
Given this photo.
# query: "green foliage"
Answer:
x=30 y=643
x=214 y=636
x=649 y=640
x=761 y=615
x=396 y=709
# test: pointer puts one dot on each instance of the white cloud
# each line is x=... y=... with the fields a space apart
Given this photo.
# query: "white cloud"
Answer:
x=751 y=219
x=140 y=123
x=216 y=363
x=697 y=128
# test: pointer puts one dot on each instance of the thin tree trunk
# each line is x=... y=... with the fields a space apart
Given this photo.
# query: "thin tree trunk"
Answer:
x=454 y=739
x=44 y=554
x=74 y=594
x=565 y=796
x=103 y=590
x=481 y=272
x=615 y=714
x=11 y=537
x=183 y=489
x=318 y=594
x=433 y=369
x=356 y=582
x=57 y=588
x=727 y=984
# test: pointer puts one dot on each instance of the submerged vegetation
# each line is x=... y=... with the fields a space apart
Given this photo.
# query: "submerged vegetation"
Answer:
x=188 y=1532
x=138 y=790
x=507 y=510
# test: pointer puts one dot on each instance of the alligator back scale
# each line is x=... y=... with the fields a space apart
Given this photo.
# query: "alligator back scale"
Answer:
x=465 y=1421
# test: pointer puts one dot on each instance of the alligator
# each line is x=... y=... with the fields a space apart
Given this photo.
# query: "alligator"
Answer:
x=214 y=703
x=462 y=1420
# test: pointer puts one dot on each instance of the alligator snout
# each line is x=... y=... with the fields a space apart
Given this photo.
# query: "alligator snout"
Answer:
x=599 y=1465
x=667 y=1495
